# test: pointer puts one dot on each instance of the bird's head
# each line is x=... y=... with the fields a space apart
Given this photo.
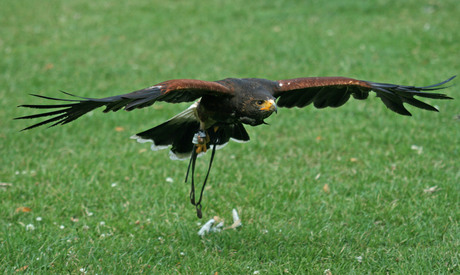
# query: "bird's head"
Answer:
x=267 y=105
x=256 y=109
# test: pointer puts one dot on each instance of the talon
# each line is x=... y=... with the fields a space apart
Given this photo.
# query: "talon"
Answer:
x=201 y=148
x=201 y=139
x=216 y=128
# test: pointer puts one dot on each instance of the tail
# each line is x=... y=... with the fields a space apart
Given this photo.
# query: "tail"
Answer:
x=178 y=132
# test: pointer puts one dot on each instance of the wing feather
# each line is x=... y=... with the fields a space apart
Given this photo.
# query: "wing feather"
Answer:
x=173 y=91
x=335 y=91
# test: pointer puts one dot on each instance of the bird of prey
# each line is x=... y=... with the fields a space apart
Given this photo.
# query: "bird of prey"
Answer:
x=222 y=108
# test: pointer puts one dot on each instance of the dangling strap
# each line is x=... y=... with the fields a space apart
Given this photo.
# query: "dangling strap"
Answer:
x=192 y=191
x=198 y=204
x=192 y=164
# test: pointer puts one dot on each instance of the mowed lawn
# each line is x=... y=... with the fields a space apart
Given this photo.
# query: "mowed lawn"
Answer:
x=358 y=189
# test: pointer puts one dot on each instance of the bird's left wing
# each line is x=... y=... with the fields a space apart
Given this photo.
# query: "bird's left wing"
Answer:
x=173 y=91
x=335 y=91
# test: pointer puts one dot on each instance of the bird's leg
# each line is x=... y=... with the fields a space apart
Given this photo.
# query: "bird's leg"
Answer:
x=201 y=140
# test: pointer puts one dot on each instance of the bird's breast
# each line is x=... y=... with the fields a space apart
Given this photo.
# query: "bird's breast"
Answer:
x=221 y=110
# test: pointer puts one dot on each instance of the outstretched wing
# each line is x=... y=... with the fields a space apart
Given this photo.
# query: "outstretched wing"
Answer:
x=173 y=91
x=335 y=91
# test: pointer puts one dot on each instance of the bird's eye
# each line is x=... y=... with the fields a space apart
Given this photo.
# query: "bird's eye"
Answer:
x=260 y=102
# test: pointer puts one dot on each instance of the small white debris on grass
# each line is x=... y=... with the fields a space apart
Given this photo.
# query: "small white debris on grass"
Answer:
x=38 y=219
x=418 y=149
x=236 y=220
x=206 y=227
x=61 y=227
x=256 y=272
x=30 y=227
x=217 y=228
x=427 y=27
x=169 y=179
x=431 y=190
x=114 y=184
x=89 y=213
x=25 y=172
x=210 y=227
x=359 y=259
x=327 y=272
x=235 y=215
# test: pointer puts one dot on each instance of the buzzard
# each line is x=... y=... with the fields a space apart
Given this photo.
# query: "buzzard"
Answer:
x=222 y=108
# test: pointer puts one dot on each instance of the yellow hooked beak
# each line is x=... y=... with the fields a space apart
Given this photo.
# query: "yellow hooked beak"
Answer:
x=269 y=105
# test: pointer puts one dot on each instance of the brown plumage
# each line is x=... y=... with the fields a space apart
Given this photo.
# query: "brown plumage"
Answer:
x=223 y=107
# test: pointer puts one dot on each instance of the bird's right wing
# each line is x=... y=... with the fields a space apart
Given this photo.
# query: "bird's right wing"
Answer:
x=173 y=91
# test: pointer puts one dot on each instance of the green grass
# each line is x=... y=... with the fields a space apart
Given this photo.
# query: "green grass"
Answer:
x=376 y=208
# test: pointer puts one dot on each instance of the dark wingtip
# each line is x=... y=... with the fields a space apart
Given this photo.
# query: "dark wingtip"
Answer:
x=404 y=112
x=452 y=77
x=443 y=82
x=448 y=80
x=438 y=85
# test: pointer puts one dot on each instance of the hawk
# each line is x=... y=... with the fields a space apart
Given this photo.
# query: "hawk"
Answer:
x=222 y=108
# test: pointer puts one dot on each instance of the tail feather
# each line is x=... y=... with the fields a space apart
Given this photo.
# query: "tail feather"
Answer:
x=221 y=134
x=239 y=133
x=178 y=132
